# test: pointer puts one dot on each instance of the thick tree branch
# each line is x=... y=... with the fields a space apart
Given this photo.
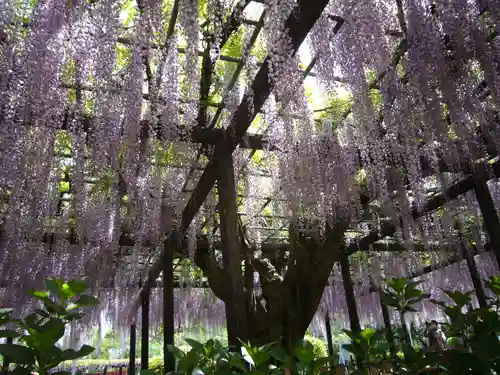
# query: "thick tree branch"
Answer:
x=205 y=260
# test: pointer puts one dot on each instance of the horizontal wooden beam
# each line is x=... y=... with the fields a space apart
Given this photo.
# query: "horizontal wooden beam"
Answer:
x=197 y=134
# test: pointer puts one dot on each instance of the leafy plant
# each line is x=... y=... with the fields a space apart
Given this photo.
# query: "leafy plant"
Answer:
x=209 y=358
x=213 y=358
x=402 y=294
x=320 y=347
x=38 y=333
x=368 y=347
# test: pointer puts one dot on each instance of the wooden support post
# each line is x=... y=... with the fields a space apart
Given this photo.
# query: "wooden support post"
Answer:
x=131 y=362
x=231 y=251
x=329 y=338
x=489 y=213
x=145 y=333
x=387 y=323
x=474 y=274
x=168 y=303
x=349 y=292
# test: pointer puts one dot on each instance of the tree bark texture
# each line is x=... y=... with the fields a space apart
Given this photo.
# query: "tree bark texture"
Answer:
x=291 y=287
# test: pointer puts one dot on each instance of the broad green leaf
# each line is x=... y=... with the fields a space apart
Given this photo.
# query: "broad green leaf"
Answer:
x=261 y=357
x=70 y=354
x=9 y=333
x=266 y=347
x=30 y=322
x=73 y=316
x=18 y=354
x=493 y=284
x=246 y=356
x=208 y=348
x=398 y=284
x=196 y=345
x=147 y=372
x=460 y=299
x=53 y=307
x=54 y=286
x=86 y=301
x=352 y=335
x=5 y=311
x=42 y=313
x=304 y=351
x=85 y=350
x=78 y=286
x=41 y=294
x=178 y=353
x=368 y=333
x=389 y=299
x=279 y=353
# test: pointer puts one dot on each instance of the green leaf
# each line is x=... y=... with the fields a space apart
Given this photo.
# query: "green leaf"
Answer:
x=389 y=299
x=70 y=354
x=279 y=353
x=369 y=334
x=196 y=345
x=54 y=286
x=64 y=373
x=493 y=284
x=246 y=356
x=9 y=333
x=5 y=311
x=178 y=353
x=77 y=287
x=18 y=354
x=40 y=294
x=53 y=307
x=85 y=350
x=42 y=313
x=86 y=301
x=304 y=351
x=460 y=299
x=261 y=357
x=398 y=284
x=5 y=316
x=147 y=372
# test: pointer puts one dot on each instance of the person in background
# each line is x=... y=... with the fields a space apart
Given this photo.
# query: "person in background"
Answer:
x=435 y=337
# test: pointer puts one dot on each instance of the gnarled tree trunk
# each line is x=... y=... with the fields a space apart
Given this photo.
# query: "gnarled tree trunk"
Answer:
x=291 y=286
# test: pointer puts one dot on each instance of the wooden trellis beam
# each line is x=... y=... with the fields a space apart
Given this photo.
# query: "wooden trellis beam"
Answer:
x=297 y=26
x=433 y=203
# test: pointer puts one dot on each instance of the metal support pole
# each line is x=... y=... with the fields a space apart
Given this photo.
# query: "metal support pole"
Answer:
x=168 y=303
x=349 y=292
x=489 y=213
x=131 y=362
x=145 y=333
